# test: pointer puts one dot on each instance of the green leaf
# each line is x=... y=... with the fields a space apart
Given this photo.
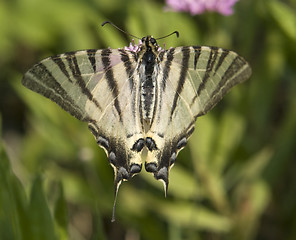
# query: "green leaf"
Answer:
x=13 y=203
x=193 y=215
x=9 y=220
x=285 y=16
x=61 y=212
x=40 y=216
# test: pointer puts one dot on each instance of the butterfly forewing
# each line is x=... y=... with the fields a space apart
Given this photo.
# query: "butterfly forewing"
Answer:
x=212 y=71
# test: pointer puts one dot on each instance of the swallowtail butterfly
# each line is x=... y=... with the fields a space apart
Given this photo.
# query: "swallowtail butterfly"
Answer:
x=141 y=97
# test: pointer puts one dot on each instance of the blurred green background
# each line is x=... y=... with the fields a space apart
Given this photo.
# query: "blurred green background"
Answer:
x=235 y=179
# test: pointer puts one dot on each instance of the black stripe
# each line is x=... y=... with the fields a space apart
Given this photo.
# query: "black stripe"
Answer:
x=54 y=90
x=59 y=62
x=209 y=68
x=197 y=51
x=167 y=66
x=155 y=103
x=236 y=64
x=193 y=101
x=41 y=72
x=160 y=55
x=93 y=130
x=110 y=79
x=191 y=129
x=128 y=67
x=91 y=53
x=73 y=65
x=166 y=70
x=135 y=56
x=141 y=114
x=183 y=74
x=221 y=59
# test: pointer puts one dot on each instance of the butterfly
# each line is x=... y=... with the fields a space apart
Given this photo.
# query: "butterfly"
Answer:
x=140 y=97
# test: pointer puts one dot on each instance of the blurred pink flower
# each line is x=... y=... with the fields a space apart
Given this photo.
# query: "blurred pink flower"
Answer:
x=199 y=6
x=133 y=47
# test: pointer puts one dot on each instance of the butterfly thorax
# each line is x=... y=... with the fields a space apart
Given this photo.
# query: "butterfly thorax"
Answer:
x=148 y=70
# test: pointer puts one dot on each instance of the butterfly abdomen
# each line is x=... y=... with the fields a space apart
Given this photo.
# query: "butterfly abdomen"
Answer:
x=148 y=78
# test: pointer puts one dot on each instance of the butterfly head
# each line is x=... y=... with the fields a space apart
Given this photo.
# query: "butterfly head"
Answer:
x=149 y=44
x=149 y=41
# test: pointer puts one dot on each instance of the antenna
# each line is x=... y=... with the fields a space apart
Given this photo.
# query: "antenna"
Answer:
x=119 y=29
x=175 y=32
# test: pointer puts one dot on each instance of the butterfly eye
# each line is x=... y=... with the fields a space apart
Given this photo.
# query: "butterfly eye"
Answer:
x=153 y=41
x=143 y=39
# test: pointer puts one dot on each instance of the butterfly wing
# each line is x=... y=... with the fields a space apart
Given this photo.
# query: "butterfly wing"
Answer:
x=98 y=87
x=191 y=81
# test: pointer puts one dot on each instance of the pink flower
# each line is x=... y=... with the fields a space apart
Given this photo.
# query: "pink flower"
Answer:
x=199 y=6
x=133 y=47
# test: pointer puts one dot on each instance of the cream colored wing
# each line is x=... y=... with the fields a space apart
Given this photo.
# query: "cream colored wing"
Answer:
x=191 y=81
